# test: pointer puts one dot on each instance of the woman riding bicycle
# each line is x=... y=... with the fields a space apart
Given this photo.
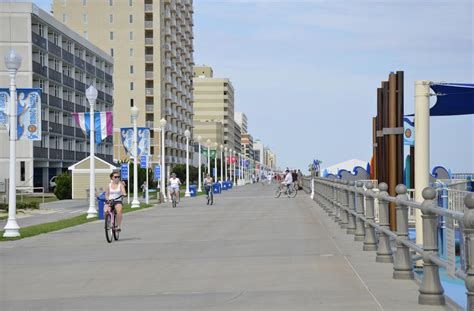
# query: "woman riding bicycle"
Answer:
x=114 y=191
x=208 y=184
x=173 y=185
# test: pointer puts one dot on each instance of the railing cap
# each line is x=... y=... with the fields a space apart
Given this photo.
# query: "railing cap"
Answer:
x=383 y=187
x=359 y=184
x=428 y=193
x=401 y=189
x=469 y=200
x=369 y=185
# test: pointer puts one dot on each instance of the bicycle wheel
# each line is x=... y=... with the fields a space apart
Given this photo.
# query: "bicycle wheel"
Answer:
x=292 y=192
x=277 y=193
x=116 y=233
x=211 y=197
x=174 y=201
x=108 y=227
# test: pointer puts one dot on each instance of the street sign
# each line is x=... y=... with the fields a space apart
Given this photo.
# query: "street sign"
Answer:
x=143 y=160
x=157 y=172
x=450 y=247
x=124 y=171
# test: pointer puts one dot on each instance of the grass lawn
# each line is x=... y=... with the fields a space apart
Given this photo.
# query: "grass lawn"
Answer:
x=30 y=231
x=37 y=199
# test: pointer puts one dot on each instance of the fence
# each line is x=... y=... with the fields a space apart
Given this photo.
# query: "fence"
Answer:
x=352 y=207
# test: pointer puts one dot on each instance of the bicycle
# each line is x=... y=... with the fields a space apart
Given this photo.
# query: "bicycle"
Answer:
x=290 y=191
x=111 y=231
x=174 y=200
x=210 y=194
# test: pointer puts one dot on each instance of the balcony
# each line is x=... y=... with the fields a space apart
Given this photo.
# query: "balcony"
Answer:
x=68 y=155
x=100 y=95
x=168 y=63
x=79 y=63
x=54 y=49
x=80 y=133
x=44 y=126
x=68 y=106
x=148 y=24
x=149 y=8
x=108 y=98
x=148 y=41
x=108 y=78
x=55 y=102
x=167 y=15
x=167 y=31
x=148 y=74
x=55 y=128
x=68 y=130
x=80 y=108
x=100 y=73
x=40 y=152
x=56 y=154
x=69 y=57
x=68 y=81
x=80 y=86
x=149 y=58
x=38 y=40
x=40 y=69
x=90 y=68
x=44 y=98
x=55 y=75
x=149 y=92
x=80 y=155
x=149 y=108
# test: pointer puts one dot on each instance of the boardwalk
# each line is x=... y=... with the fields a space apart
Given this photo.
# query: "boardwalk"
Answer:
x=248 y=252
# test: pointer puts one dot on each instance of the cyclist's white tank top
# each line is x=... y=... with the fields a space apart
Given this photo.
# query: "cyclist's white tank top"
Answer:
x=114 y=193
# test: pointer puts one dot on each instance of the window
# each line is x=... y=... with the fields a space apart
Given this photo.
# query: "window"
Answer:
x=131 y=52
x=131 y=102
x=111 y=2
x=64 y=18
x=130 y=18
x=131 y=68
x=131 y=86
x=112 y=52
x=84 y=18
x=84 y=2
x=130 y=2
x=85 y=34
x=22 y=171
x=41 y=30
x=111 y=18
x=111 y=35
x=131 y=35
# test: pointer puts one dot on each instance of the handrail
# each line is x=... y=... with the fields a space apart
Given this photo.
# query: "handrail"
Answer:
x=351 y=204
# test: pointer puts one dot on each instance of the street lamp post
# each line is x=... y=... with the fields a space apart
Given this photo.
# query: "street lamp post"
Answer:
x=134 y=114
x=222 y=167
x=91 y=94
x=240 y=168
x=230 y=164
x=199 y=165
x=208 y=156
x=215 y=163
x=235 y=167
x=162 y=171
x=187 y=134
x=225 y=160
x=12 y=63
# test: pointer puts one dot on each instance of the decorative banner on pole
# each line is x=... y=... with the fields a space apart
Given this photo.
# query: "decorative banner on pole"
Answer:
x=204 y=153
x=157 y=172
x=103 y=123
x=124 y=171
x=28 y=112
x=143 y=139
x=143 y=161
x=409 y=132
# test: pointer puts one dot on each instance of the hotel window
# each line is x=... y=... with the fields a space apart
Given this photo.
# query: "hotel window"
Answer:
x=111 y=2
x=131 y=52
x=112 y=52
x=131 y=35
x=22 y=171
x=84 y=18
x=131 y=68
x=130 y=2
x=111 y=18
x=84 y=2
x=130 y=18
x=85 y=34
x=111 y=35
x=64 y=18
x=131 y=86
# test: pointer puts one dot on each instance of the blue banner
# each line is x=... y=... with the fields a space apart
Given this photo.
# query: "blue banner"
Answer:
x=157 y=172
x=143 y=139
x=124 y=171
x=143 y=161
x=409 y=132
x=28 y=112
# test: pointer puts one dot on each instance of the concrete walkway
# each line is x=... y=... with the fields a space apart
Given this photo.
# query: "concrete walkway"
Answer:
x=247 y=252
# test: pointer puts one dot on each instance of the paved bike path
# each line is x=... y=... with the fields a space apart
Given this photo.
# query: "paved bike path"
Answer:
x=249 y=251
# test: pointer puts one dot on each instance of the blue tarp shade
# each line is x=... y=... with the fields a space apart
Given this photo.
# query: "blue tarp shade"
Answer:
x=453 y=99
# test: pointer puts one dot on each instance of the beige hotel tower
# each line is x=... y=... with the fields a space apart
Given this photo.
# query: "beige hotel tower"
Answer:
x=151 y=42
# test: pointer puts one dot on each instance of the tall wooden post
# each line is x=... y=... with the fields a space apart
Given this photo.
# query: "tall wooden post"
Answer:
x=390 y=131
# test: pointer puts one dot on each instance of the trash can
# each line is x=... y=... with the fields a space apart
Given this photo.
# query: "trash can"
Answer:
x=193 y=190
x=216 y=188
x=101 y=204
x=225 y=186
x=230 y=185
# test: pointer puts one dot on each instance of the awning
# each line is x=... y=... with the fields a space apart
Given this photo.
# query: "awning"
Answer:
x=453 y=99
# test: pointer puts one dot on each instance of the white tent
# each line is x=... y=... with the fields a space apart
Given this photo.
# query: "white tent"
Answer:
x=346 y=165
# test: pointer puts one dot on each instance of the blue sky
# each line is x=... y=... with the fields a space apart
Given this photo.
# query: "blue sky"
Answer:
x=306 y=72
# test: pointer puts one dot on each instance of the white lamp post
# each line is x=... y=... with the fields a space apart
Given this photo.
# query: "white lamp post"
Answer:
x=215 y=163
x=225 y=166
x=91 y=94
x=162 y=171
x=199 y=165
x=134 y=114
x=208 y=142
x=240 y=167
x=12 y=63
x=222 y=167
x=230 y=164
x=235 y=166
x=187 y=133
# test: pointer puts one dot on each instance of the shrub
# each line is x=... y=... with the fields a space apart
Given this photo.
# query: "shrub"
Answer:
x=63 y=189
x=21 y=205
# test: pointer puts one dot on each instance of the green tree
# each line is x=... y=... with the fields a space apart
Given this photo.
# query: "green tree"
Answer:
x=63 y=189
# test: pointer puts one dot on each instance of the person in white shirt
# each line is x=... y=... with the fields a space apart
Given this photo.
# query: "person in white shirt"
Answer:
x=288 y=181
x=173 y=185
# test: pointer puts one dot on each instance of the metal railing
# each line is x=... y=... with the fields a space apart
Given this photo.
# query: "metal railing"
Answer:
x=351 y=204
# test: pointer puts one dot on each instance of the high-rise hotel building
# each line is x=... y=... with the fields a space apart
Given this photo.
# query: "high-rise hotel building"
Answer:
x=62 y=64
x=151 y=42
